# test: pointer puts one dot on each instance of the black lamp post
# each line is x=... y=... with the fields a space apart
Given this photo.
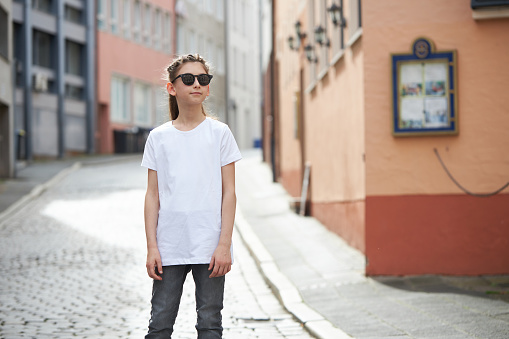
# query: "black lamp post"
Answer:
x=298 y=26
x=290 y=42
x=336 y=15
x=320 y=37
x=309 y=53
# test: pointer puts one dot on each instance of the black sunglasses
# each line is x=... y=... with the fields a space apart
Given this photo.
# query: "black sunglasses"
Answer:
x=188 y=79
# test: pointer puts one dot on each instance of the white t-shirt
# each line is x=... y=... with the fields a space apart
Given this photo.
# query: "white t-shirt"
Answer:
x=188 y=166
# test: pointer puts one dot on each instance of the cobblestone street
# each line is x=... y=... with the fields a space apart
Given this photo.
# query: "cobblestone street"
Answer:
x=72 y=264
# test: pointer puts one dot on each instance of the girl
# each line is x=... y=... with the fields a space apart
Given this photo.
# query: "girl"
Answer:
x=190 y=203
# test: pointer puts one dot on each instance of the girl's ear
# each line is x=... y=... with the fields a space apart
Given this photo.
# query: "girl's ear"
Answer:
x=170 y=89
x=208 y=90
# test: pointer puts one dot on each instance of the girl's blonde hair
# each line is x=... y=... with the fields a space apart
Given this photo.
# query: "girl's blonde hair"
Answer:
x=173 y=69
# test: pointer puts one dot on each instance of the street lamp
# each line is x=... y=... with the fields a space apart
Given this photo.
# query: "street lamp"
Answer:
x=336 y=15
x=320 y=36
x=298 y=26
x=309 y=53
x=290 y=42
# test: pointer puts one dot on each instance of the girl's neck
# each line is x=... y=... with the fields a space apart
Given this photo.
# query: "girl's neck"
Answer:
x=189 y=117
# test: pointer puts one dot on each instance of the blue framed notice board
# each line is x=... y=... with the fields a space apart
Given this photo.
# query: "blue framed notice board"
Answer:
x=424 y=91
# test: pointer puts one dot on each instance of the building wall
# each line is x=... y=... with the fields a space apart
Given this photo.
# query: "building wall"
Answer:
x=321 y=112
x=244 y=64
x=289 y=89
x=417 y=220
x=6 y=111
x=56 y=118
x=129 y=52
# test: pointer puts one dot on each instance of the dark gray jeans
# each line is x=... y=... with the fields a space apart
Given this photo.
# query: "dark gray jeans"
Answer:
x=166 y=296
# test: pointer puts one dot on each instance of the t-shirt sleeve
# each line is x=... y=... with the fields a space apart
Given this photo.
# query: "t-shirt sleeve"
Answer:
x=149 y=157
x=229 y=150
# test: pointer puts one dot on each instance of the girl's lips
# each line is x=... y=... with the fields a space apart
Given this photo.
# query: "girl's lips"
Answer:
x=196 y=93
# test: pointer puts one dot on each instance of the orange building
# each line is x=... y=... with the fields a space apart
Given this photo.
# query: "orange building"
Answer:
x=135 y=40
x=339 y=105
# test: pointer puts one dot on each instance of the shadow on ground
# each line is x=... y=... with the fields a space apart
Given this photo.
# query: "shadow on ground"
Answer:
x=492 y=287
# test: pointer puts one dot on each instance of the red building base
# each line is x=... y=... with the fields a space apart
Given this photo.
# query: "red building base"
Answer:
x=437 y=234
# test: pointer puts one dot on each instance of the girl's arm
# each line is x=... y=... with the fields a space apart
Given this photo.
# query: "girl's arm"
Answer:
x=151 y=214
x=221 y=261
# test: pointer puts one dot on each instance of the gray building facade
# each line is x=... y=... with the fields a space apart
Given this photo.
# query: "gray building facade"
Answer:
x=54 y=77
x=6 y=96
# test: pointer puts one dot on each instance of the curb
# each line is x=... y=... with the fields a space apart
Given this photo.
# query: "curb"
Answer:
x=36 y=192
x=283 y=288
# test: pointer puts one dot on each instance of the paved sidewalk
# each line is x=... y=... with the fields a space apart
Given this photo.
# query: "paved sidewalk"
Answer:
x=320 y=279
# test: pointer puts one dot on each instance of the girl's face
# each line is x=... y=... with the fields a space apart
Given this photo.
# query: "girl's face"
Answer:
x=194 y=94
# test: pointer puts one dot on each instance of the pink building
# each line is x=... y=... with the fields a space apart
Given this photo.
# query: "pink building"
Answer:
x=135 y=40
x=387 y=194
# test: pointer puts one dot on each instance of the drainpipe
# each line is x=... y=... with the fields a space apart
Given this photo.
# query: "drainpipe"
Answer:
x=60 y=79
x=90 y=94
x=273 y=95
x=27 y=75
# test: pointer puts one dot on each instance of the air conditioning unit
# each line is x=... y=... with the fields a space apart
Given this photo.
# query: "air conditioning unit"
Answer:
x=40 y=82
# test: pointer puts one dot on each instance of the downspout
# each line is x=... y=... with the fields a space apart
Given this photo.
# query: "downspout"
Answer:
x=90 y=76
x=27 y=75
x=60 y=79
x=272 y=97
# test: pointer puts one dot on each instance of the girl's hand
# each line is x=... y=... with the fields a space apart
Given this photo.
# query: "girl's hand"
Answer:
x=154 y=264
x=221 y=262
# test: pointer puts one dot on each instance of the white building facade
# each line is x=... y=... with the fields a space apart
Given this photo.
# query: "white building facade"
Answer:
x=201 y=29
x=244 y=36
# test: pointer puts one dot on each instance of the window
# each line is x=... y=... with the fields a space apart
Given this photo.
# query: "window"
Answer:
x=73 y=58
x=147 y=25
x=114 y=16
x=73 y=92
x=323 y=50
x=4 y=31
x=210 y=6
x=157 y=29
x=167 y=38
x=192 y=43
x=181 y=34
x=210 y=53
x=19 y=52
x=127 y=19
x=142 y=104
x=73 y=14
x=120 y=94
x=220 y=60
x=137 y=21
x=235 y=14
x=354 y=19
x=42 y=46
x=201 y=44
x=220 y=10
x=488 y=3
x=233 y=70
x=242 y=18
x=310 y=33
x=101 y=14
x=243 y=67
x=43 y=5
